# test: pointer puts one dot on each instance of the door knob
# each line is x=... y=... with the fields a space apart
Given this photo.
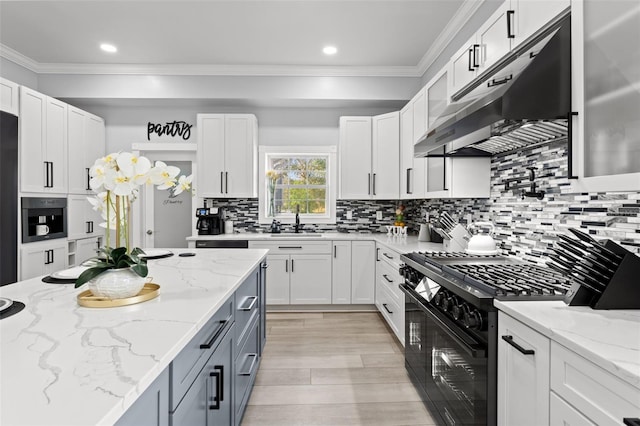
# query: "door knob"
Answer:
x=149 y=232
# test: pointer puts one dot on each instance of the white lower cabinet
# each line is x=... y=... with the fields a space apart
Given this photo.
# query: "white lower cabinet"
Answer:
x=310 y=279
x=82 y=220
x=363 y=272
x=541 y=382
x=389 y=299
x=299 y=271
x=42 y=258
x=341 y=273
x=523 y=374
x=561 y=413
x=85 y=249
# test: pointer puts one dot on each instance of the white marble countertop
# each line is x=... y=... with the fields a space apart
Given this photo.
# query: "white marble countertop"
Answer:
x=63 y=364
x=399 y=244
x=609 y=339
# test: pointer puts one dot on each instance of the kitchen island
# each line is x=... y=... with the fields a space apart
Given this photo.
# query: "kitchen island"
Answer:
x=63 y=364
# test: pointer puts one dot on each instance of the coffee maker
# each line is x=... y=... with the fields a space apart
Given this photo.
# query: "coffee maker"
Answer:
x=210 y=221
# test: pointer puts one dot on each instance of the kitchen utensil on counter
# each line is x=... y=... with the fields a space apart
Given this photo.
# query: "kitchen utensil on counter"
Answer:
x=455 y=235
x=424 y=234
x=605 y=275
x=482 y=243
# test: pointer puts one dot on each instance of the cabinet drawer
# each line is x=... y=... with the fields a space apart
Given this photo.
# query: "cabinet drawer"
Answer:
x=246 y=369
x=392 y=312
x=391 y=279
x=561 y=413
x=602 y=397
x=247 y=306
x=292 y=246
x=188 y=363
x=391 y=257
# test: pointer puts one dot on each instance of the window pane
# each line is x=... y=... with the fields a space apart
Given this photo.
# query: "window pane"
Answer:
x=317 y=194
x=317 y=206
x=318 y=164
x=297 y=177
x=317 y=178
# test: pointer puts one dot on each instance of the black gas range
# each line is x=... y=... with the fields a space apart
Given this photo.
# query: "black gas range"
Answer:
x=451 y=326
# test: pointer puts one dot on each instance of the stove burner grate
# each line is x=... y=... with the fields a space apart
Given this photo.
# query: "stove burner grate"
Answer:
x=512 y=280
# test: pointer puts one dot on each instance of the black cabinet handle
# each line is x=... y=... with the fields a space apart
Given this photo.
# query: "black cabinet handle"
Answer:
x=88 y=188
x=290 y=247
x=286 y=265
x=91 y=226
x=495 y=82
x=387 y=278
x=570 y=116
x=251 y=305
x=51 y=168
x=470 y=60
x=46 y=257
x=509 y=340
x=88 y=227
x=216 y=333
x=251 y=366
x=216 y=399
x=369 y=183
x=226 y=182
x=222 y=182
x=377 y=255
x=409 y=181
x=334 y=252
x=386 y=309
x=374 y=184
x=387 y=256
x=476 y=49
x=631 y=421
x=510 y=14
x=291 y=265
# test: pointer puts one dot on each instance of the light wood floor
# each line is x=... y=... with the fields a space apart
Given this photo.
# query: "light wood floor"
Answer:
x=332 y=369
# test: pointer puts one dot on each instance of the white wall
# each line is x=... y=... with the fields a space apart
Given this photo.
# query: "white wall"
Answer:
x=126 y=125
x=18 y=74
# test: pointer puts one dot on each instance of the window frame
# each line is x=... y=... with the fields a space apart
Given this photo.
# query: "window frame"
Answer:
x=293 y=151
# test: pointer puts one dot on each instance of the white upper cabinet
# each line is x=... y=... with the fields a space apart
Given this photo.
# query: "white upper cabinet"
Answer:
x=370 y=157
x=605 y=95
x=386 y=156
x=419 y=109
x=511 y=24
x=43 y=143
x=9 y=96
x=355 y=157
x=227 y=155
x=86 y=139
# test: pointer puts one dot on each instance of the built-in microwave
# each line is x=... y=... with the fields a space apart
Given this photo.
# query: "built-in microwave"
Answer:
x=43 y=218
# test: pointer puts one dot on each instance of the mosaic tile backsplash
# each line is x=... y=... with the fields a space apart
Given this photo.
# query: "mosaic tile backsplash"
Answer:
x=524 y=227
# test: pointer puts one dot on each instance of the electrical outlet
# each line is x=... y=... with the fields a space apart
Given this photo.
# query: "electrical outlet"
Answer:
x=378 y=215
x=349 y=214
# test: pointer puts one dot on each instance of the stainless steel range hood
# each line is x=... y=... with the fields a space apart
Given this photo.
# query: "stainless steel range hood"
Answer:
x=522 y=100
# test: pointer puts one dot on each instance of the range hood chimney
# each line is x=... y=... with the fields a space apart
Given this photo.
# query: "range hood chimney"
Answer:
x=522 y=100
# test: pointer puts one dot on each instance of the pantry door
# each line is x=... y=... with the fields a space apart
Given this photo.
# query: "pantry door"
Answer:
x=166 y=219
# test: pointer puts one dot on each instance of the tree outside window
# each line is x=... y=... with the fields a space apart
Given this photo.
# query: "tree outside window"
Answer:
x=296 y=181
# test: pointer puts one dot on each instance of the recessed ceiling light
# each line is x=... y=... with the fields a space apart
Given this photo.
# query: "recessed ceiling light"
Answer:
x=329 y=50
x=108 y=48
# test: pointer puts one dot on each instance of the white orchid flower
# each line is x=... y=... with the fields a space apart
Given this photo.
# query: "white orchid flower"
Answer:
x=184 y=184
x=164 y=176
x=133 y=167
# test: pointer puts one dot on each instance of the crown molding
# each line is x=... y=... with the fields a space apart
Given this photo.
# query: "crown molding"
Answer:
x=462 y=16
x=212 y=70
x=18 y=58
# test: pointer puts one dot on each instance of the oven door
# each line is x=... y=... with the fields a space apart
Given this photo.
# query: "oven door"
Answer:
x=448 y=366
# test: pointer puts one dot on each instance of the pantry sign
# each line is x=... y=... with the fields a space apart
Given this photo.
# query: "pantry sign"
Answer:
x=175 y=128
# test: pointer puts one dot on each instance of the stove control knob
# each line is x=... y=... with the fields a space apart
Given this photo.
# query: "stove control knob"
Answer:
x=458 y=310
x=472 y=319
x=449 y=303
x=440 y=297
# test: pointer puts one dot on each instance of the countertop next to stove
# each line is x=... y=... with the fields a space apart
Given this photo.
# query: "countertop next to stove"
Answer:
x=609 y=339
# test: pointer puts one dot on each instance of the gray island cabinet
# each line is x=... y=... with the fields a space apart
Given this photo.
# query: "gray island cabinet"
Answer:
x=210 y=380
x=188 y=357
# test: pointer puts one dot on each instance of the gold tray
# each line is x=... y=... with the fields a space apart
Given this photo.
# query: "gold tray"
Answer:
x=148 y=292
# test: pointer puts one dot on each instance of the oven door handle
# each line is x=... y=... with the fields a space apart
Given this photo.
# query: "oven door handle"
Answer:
x=470 y=346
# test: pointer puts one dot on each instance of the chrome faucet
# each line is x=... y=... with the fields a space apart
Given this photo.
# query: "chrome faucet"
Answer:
x=297 y=226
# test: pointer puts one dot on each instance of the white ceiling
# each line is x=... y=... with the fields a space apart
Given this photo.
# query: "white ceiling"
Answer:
x=373 y=37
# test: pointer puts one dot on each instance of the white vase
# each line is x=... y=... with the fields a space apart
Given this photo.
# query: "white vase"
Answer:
x=116 y=283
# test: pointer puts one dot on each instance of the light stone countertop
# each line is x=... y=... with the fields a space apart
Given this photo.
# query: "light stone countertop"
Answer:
x=399 y=244
x=63 y=364
x=608 y=338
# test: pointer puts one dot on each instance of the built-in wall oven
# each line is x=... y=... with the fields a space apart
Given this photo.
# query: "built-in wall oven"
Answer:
x=451 y=327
